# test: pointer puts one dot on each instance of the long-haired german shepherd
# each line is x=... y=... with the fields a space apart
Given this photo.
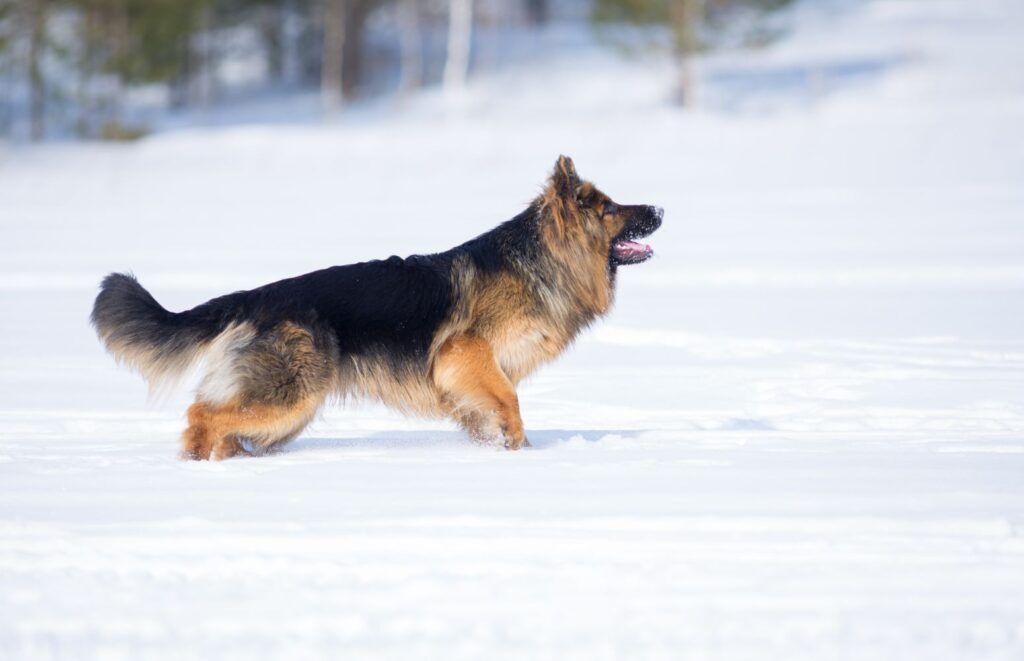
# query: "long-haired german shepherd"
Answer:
x=449 y=334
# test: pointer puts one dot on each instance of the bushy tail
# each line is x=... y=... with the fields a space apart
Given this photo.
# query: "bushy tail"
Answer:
x=138 y=331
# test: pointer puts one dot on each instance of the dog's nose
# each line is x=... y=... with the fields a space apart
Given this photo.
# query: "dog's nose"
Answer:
x=656 y=216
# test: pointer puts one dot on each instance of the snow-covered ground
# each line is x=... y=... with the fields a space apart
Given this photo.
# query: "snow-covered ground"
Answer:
x=800 y=435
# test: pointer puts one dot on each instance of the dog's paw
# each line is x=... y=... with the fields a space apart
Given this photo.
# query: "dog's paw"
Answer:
x=515 y=442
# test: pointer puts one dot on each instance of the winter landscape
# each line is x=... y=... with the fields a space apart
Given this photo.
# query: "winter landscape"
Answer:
x=799 y=435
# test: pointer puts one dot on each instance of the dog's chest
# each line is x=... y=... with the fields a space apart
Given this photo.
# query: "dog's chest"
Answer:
x=521 y=351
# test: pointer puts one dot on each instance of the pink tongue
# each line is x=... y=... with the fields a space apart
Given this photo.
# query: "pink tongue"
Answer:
x=631 y=249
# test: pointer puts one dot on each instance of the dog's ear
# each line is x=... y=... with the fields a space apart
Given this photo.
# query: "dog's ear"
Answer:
x=564 y=179
x=559 y=197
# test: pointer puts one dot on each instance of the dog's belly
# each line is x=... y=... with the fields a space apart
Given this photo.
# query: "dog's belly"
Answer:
x=408 y=389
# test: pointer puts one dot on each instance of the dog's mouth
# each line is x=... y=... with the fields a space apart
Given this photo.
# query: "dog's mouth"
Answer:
x=625 y=249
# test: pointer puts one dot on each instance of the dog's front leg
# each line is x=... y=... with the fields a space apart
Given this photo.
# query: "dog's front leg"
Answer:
x=467 y=373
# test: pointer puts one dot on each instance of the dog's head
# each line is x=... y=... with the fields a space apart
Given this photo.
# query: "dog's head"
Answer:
x=579 y=212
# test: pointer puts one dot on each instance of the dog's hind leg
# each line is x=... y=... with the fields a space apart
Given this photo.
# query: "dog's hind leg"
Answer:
x=197 y=441
x=484 y=400
x=214 y=432
x=205 y=437
x=266 y=391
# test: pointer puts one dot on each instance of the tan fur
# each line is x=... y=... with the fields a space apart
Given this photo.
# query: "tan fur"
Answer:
x=478 y=391
x=214 y=431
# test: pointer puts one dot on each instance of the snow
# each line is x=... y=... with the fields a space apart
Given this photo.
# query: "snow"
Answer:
x=800 y=434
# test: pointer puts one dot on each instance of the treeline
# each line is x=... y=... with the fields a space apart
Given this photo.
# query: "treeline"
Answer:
x=69 y=66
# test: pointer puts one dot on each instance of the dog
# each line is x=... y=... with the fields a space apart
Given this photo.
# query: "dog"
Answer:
x=443 y=335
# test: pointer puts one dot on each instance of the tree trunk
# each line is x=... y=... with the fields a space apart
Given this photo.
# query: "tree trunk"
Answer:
x=356 y=14
x=114 y=32
x=37 y=83
x=411 y=45
x=460 y=28
x=201 y=50
x=89 y=39
x=271 y=24
x=686 y=17
x=181 y=87
x=332 y=58
x=537 y=12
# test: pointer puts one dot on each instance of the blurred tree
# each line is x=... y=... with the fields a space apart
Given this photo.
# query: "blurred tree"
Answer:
x=6 y=12
x=269 y=18
x=411 y=45
x=38 y=15
x=6 y=39
x=155 y=40
x=686 y=19
x=285 y=29
x=344 y=29
x=460 y=31
x=335 y=17
x=91 y=36
x=137 y=42
x=537 y=11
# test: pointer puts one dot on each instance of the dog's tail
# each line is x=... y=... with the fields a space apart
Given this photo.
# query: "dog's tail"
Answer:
x=159 y=344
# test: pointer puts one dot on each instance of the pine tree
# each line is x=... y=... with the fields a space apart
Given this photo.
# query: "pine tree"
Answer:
x=686 y=19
